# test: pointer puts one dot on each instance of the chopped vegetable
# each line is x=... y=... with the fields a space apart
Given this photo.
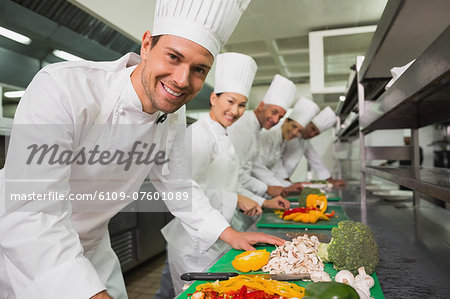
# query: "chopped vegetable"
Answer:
x=296 y=256
x=319 y=201
x=329 y=215
x=305 y=215
x=251 y=260
x=297 y=210
x=345 y=276
x=305 y=192
x=352 y=246
x=243 y=286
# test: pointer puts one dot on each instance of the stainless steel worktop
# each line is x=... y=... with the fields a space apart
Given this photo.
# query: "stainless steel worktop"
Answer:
x=414 y=244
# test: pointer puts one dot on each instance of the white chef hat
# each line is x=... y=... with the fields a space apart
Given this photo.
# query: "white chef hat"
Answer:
x=281 y=92
x=234 y=73
x=325 y=119
x=208 y=23
x=304 y=111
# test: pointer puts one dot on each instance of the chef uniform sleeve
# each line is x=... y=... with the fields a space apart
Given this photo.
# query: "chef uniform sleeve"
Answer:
x=316 y=163
x=269 y=153
x=291 y=156
x=200 y=147
x=245 y=144
x=42 y=252
x=198 y=217
x=267 y=176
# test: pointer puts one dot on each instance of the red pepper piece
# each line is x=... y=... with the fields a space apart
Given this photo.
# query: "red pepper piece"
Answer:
x=241 y=293
x=329 y=215
x=298 y=210
x=255 y=295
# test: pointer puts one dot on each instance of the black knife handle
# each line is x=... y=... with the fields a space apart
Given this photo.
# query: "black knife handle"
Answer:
x=207 y=276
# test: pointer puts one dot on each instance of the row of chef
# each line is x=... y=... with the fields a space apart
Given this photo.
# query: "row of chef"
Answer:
x=243 y=161
x=61 y=249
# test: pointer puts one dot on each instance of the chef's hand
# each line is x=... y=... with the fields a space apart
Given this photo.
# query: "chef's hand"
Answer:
x=101 y=295
x=244 y=241
x=338 y=183
x=276 y=203
x=248 y=205
x=295 y=187
x=276 y=191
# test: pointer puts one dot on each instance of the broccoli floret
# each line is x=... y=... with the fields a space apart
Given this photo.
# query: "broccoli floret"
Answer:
x=352 y=246
x=305 y=192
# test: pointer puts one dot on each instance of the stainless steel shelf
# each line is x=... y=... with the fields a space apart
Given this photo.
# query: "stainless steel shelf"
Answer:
x=351 y=98
x=351 y=131
x=431 y=181
x=405 y=30
x=419 y=97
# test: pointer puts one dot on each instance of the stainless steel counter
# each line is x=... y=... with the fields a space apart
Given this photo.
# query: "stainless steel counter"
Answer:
x=414 y=244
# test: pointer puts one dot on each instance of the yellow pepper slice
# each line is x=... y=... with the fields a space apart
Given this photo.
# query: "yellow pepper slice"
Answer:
x=318 y=201
x=251 y=260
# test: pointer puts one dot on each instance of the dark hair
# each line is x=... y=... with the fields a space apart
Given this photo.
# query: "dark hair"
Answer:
x=154 y=41
x=218 y=95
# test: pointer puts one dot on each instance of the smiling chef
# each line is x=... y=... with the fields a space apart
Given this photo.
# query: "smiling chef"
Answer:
x=272 y=143
x=61 y=248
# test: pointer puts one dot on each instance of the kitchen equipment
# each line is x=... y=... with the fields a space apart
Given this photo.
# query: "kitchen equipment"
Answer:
x=374 y=188
x=441 y=146
x=224 y=276
x=394 y=195
x=442 y=159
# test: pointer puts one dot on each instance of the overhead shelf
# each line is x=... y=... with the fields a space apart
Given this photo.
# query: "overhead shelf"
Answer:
x=420 y=96
x=349 y=128
x=405 y=30
x=351 y=97
x=431 y=181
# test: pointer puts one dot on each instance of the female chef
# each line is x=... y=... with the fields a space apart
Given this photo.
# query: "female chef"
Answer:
x=215 y=166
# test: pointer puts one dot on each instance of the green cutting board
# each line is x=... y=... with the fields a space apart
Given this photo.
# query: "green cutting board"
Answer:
x=224 y=265
x=270 y=219
x=295 y=199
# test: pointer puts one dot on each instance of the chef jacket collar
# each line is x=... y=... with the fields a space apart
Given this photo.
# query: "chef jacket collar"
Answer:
x=130 y=97
x=255 y=126
x=217 y=128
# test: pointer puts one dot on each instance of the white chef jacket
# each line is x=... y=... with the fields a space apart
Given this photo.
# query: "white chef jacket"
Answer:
x=244 y=134
x=215 y=167
x=293 y=153
x=64 y=252
x=269 y=161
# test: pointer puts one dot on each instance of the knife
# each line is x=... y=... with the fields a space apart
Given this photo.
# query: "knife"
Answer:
x=224 y=276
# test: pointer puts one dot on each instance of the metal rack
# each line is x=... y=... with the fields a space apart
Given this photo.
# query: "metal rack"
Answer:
x=417 y=99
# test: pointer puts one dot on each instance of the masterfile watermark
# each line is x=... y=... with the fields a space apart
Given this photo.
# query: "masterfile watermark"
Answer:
x=96 y=168
x=140 y=153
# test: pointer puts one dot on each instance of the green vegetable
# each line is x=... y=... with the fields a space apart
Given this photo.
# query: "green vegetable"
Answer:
x=330 y=290
x=319 y=181
x=305 y=192
x=352 y=246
